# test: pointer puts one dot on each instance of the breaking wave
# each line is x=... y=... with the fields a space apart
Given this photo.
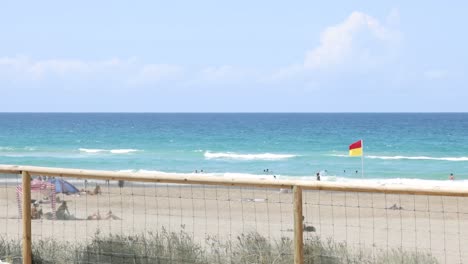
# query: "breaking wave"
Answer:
x=237 y=156
x=113 y=151
x=409 y=157
x=418 y=158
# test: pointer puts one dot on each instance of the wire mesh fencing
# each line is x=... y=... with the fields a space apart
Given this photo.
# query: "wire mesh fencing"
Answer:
x=133 y=222
x=10 y=224
x=90 y=220
x=357 y=227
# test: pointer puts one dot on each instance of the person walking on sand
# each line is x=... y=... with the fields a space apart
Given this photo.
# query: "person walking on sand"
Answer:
x=451 y=177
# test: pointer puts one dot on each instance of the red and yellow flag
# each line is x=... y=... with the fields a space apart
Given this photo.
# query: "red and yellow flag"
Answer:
x=355 y=149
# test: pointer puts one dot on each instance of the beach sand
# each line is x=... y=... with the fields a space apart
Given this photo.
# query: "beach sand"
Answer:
x=370 y=222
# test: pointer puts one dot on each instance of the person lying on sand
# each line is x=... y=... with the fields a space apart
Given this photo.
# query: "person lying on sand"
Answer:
x=96 y=191
x=395 y=207
x=109 y=216
x=95 y=216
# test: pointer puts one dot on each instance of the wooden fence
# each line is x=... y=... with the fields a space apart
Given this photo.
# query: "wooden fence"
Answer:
x=296 y=186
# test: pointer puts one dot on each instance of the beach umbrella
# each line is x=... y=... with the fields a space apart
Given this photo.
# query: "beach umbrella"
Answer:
x=62 y=186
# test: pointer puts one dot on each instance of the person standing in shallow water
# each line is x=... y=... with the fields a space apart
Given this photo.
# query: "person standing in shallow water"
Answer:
x=318 y=176
x=451 y=177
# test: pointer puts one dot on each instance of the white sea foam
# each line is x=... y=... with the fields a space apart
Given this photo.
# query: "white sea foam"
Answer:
x=330 y=178
x=237 y=156
x=18 y=149
x=113 y=151
x=409 y=157
x=91 y=150
x=6 y=148
x=30 y=148
x=397 y=181
x=338 y=155
x=420 y=183
x=418 y=158
x=122 y=151
x=127 y=171
x=32 y=154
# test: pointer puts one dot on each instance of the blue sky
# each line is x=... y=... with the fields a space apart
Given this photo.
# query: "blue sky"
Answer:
x=238 y=56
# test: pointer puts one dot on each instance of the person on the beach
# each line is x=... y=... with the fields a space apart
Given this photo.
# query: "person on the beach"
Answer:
x=33 y=212
x=62 y=212
x=36 y=212
x=96 y=191
x=451 y=177
x=111 y=216
x=95 y=216
x=318 y=176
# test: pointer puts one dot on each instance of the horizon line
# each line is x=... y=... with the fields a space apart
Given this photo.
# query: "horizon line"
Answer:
x=162 y=112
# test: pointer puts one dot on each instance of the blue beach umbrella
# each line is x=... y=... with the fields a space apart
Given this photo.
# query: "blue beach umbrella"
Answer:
x=62 y=186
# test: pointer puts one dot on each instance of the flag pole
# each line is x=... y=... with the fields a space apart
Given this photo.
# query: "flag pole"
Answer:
x=362 y=159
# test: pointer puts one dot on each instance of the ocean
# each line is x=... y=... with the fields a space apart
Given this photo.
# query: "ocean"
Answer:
x=399 y=148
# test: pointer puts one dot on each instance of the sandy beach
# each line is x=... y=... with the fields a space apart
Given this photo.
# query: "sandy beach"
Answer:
x=370 y=222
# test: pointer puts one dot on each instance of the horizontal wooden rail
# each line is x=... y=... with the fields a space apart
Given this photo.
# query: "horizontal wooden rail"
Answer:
x=212 y=180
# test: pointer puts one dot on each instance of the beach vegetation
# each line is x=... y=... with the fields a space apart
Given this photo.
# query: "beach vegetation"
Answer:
x=179 y=247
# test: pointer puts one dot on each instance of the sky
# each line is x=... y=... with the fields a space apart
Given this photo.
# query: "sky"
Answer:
x=233 y=56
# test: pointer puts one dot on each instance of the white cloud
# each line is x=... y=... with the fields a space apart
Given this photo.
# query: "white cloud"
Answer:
x=61 y=67
x=157 y=72
x=341 y=43
x=286 y=73
x=358 y=43
x=435 y=74
x=223 y=73
x=23 y=67
x=38 y=69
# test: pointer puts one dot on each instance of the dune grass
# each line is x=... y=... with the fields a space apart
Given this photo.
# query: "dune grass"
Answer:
x=178 y=247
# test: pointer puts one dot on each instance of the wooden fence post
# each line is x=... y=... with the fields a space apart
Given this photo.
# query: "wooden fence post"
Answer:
x=298 y=226
x=27 y=252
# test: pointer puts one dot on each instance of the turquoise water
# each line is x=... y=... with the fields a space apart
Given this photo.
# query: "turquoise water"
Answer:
x=396 y=146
